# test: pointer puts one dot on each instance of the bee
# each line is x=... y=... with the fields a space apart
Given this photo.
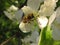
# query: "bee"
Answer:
x=28 y=18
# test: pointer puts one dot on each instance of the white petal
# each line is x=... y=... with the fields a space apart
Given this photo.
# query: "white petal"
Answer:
x=48 y=7
x=12 y=8
x=18 y=15
x=52 y=18
x=26 y=27
x=34 y=4
x=33 y=37
x=27 y=10
x=33 y=44
x=56 y=26
x=9 y=15
x=58 y=12
x=56 y=32
x=26 y=39
x=42 y=21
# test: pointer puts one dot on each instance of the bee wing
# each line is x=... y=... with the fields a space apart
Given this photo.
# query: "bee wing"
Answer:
x=56 y=26
x=34 y=4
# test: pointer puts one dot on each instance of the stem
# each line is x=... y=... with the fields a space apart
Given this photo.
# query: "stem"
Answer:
x=40 y=37
x=3 y=43
x=45 y=36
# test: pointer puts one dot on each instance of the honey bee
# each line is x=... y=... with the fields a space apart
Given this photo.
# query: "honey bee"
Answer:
x=28 y=18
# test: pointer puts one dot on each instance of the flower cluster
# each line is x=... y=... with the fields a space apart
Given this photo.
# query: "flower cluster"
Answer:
x=40 y=13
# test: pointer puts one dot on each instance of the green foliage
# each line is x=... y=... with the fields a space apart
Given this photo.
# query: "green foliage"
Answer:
x=7 y=27
x=46 y=38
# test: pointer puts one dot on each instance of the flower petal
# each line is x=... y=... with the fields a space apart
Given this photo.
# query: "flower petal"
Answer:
x=12 y=8
x=56 y=32
x=26 y=27
x=33 y=37
x=19 y=15
x=56 y=26
x=48 y=7
x=52 y=18
x=34 y=4
x=27 y=10
x=42 y=21
x=11 y=17
x=13 y=13
x=15 y=16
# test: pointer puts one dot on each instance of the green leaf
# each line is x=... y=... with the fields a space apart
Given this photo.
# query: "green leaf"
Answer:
x=45 y=37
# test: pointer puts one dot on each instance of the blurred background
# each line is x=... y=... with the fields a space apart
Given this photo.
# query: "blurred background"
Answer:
x=10 y=33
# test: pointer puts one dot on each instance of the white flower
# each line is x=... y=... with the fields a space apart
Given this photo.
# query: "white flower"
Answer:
x=10 y=12
x=46 y=9
x=30 y=8
x=14 y=14
x=32 y=39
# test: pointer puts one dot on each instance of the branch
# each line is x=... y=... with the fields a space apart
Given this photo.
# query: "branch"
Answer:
x=6 y=41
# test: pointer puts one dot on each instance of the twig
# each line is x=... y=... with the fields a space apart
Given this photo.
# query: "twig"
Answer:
x=7 y=40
